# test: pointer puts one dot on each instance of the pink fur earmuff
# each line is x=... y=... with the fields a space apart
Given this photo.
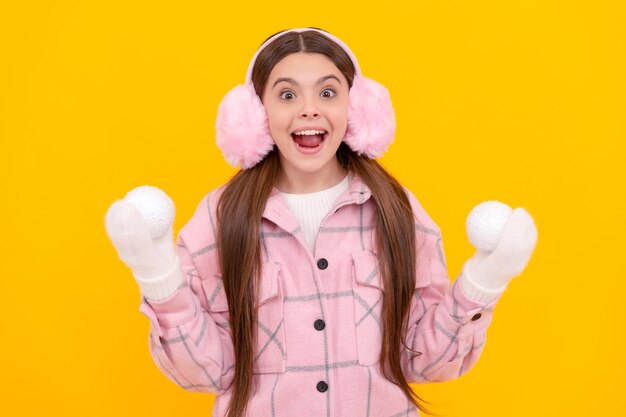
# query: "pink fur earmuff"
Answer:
x=243 y=133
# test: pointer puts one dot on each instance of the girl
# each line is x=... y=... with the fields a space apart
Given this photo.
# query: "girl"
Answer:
x=311 y=283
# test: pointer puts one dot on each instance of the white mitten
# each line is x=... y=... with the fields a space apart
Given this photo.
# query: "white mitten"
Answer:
x=504 y=239
x=140 y=228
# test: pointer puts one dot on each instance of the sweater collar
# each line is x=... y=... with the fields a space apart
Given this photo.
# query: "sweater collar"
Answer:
x=277 y=210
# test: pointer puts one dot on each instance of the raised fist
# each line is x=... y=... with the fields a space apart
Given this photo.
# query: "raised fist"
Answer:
x=504 y=239
x=140 y=228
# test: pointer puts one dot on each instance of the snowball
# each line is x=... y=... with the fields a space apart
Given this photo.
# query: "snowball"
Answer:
x=484 y=224
x=156 y=207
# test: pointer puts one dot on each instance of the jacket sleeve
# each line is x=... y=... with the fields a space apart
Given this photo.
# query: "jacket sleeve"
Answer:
x=190 y=339
x=446 y=329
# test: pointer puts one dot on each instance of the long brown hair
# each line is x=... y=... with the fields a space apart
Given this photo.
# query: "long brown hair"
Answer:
x=239 y=218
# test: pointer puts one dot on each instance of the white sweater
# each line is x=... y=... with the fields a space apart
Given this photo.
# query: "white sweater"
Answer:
x=311 y=208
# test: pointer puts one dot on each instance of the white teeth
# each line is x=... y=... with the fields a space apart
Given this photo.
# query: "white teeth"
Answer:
x=310 y=132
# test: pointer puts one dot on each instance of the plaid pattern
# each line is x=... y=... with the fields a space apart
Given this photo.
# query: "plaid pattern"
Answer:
x=190 y=335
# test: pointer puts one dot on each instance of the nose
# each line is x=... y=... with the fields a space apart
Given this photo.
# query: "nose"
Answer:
x=309 y=115
x=309 y=109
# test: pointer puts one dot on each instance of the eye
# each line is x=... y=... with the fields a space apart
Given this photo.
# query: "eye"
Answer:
x=287 y=95
x=328 y=93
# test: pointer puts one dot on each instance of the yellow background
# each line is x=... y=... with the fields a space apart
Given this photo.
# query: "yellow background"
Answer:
x=520 y=101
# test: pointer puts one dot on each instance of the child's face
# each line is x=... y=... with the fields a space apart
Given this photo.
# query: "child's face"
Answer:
x=307 y=92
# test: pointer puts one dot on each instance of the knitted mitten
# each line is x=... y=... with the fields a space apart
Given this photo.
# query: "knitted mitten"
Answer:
x=140 y=228
x=487 y=273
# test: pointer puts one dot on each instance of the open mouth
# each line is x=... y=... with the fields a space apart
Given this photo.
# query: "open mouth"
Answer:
x=311 y=138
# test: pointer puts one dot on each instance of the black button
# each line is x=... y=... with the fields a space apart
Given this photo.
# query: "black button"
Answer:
x=322 y=263
x=476 y=317
x=322 y=386
x=319 y=324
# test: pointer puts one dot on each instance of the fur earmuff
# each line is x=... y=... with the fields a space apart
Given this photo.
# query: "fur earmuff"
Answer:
x=371 y=118
x=243 y=133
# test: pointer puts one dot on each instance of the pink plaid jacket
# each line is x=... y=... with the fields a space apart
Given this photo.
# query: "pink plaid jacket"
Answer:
x=319 y=326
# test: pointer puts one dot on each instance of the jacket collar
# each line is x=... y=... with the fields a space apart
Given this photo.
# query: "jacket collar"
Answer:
x=277 y=210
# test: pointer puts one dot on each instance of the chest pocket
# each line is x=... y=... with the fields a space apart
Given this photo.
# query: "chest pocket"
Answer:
x=368 y=290
x=270 y=355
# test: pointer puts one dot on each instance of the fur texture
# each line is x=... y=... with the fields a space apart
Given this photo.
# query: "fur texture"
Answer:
x=243 y=133
x=371 y=119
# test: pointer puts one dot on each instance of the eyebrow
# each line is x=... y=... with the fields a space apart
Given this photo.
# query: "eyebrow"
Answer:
x=292 y=81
